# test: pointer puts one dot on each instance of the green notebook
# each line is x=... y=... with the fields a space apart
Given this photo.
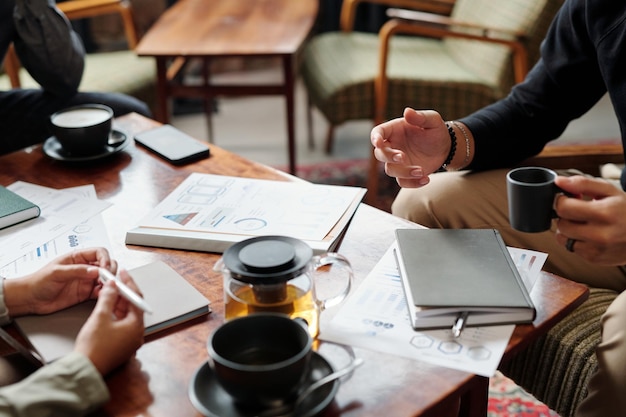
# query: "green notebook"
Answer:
x=15 y=209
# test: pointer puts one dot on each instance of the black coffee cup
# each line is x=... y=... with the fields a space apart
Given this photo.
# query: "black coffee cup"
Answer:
x=260 y=359
x=84 y=129
x=531 y=192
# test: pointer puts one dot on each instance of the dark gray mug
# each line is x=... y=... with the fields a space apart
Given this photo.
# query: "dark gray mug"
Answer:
x=530 y=193
x=260 y=359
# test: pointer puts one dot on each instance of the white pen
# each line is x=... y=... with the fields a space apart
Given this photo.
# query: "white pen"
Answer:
x=126 y=292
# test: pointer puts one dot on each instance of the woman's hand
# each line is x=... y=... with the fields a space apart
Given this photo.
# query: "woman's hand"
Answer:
x=412 y=147
x=596 y=220
x=114 y=330
x=67 y=280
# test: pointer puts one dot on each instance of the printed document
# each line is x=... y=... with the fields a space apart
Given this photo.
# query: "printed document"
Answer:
x=245 y=206
x=89 y=233
x=376 y=317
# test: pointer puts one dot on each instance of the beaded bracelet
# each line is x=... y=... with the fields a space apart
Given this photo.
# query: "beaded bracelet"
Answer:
x=467 y=143
x=445 y=164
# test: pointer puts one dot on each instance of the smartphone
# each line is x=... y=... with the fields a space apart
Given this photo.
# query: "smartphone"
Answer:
x=173 y=145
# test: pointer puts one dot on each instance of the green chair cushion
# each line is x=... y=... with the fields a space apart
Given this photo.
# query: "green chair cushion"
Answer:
x=484 y=59
x=118 y=71
x=339 y=70
x=454 y=76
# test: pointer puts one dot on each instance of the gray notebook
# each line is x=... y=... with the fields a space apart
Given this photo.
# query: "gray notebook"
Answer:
x=172 y=298
x=446 y=273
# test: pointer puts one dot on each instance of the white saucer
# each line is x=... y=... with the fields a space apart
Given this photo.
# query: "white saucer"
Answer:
x=118 y=140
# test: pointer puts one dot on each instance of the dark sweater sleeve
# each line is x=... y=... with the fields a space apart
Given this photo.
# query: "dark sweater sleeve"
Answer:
x=564 y=84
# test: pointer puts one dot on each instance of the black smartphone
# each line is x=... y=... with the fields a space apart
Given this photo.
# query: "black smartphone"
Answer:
x=173 y=145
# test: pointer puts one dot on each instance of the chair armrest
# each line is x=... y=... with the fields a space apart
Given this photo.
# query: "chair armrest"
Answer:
x=12 y=67
x=441 y=26
x=80 y=9
x=348 y=8
x=586 y=158
x=454 y=25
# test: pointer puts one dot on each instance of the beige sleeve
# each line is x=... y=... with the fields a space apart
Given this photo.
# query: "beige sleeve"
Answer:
x=70 y=386
x=4 y=312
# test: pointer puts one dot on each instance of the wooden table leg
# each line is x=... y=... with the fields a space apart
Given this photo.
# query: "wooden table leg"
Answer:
x=208 y=97
x=162 y=111
x=289 y=81
x=474 y=402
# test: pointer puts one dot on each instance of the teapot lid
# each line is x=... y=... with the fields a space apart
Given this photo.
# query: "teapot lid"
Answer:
x=267 y=259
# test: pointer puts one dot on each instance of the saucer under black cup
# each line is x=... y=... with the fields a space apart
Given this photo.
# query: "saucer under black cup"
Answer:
x=210 y=399
x=118 y=140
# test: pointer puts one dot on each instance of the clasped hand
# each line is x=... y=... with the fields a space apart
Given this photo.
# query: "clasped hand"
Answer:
x=113 y=331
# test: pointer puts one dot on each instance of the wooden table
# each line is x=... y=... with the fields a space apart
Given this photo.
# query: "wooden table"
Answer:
x=156 y=383
x=209 y=30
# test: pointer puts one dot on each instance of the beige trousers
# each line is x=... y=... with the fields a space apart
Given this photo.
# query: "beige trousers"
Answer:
x=478 y=200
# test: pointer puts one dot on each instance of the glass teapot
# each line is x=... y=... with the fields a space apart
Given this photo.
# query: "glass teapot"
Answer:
x=280 y=274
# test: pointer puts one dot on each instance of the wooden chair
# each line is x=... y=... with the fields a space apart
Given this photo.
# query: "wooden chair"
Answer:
x=454 y=64
x=112 y=71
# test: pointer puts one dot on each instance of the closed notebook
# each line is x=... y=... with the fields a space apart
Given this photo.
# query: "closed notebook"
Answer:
x=448 y=272
x=15 y=209
x=172 y=298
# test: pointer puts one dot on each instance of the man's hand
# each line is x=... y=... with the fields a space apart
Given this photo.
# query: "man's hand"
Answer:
x=412 y=147
x=596 y=220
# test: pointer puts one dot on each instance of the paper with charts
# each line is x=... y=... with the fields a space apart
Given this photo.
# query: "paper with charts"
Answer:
x=61 y=211
x=245 y=206
x=89 y=233
x=376 y=317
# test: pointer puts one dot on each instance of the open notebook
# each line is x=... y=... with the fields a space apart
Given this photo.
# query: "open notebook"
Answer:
x=171 y=297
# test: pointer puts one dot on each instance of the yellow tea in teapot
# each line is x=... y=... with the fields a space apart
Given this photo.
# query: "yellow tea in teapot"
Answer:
x=293 y=301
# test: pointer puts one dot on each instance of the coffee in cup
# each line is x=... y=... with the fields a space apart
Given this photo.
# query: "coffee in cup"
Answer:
x=260 y=359
x=84 y=129
x=531 y=192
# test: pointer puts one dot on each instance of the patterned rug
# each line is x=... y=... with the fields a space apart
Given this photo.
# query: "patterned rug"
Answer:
x=506 y=399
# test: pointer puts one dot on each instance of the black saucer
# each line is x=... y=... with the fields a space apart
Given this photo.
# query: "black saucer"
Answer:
x=117 y=141
x=208 y=397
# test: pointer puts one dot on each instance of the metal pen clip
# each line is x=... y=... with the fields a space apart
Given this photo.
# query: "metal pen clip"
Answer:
x=459 y=324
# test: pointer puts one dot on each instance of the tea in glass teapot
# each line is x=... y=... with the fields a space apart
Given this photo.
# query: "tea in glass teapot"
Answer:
x=280 y=274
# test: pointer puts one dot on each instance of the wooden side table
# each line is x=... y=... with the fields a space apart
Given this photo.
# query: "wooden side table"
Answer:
x=209 y=30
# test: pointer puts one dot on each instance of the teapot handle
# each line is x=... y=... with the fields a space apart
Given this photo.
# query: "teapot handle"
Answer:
x=219 y=265
x=330 y=259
